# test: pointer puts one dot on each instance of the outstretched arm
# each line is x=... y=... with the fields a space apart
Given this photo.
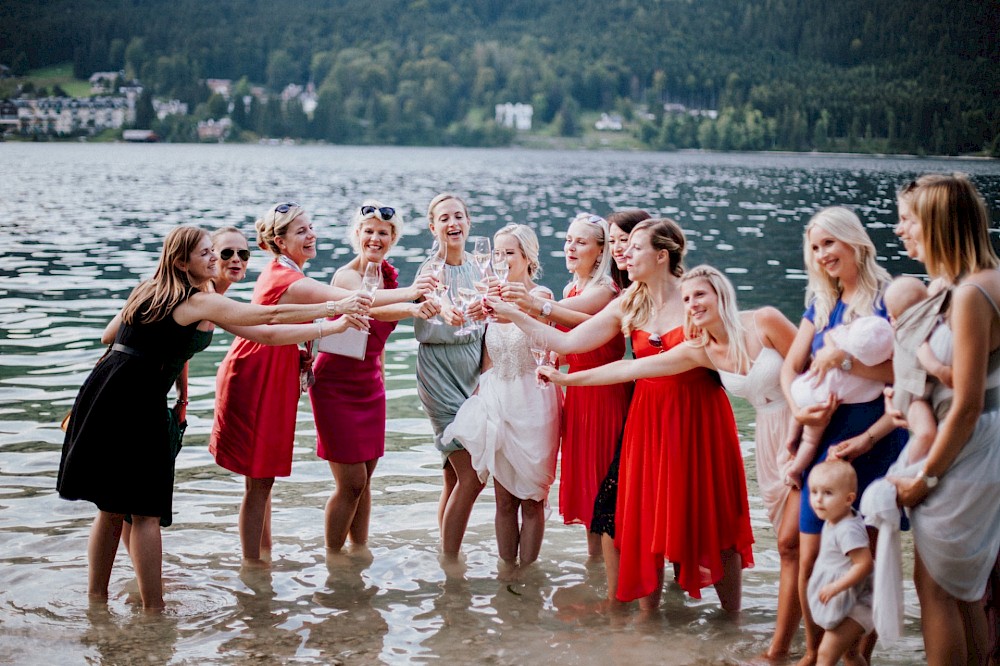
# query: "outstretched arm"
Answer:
x=681 y=358
x=226 y=312
x=591 y=334
x=293 y=334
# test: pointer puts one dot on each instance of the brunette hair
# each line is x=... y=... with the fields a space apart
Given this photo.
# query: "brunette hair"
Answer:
x=170 y=286
x=637 y=304
x=626 y=221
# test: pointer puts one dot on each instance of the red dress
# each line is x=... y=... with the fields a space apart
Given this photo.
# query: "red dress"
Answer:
x=682 y=491
x=257 y=395
x=593 y=420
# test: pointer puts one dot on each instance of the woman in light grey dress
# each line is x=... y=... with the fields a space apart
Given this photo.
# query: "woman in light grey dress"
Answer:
x=448 y=372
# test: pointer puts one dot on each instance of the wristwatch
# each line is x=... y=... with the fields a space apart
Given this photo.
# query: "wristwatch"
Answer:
x=847 y=363
x=546 y=309
x=931 y=481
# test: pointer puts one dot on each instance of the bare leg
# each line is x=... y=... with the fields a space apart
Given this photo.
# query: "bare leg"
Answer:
x=594 y=551
x=651 y=602
x=350 y=481
x=126 y=534
x=730 y=588
x=459 y=508
x=450 y=481
x=505 y=522
x=789 y=610
x=944 y=622
x=612 y=561
x=841 y=641
x=147 y=559
x=101 y=550
x=255 y=518
x=532 y=530
x=363 y=514
x=808 y=552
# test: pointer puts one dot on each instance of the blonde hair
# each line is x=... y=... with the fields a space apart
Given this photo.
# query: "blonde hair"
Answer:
x=822 y=290
x=441 y=198
x=837 y=472
x=599 y=230
x=527 y=241
x=637 y=303
x=728 y=312
x=955 y=226
x=222 y=231
x=274 y=224
x=170 y=286
x=354 y=231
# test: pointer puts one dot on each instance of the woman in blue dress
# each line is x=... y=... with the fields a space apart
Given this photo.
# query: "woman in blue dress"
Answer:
x=845 y=283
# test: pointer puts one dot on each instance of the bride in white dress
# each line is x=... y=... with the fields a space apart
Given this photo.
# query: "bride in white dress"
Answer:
x=510 y=427
x=747 y=349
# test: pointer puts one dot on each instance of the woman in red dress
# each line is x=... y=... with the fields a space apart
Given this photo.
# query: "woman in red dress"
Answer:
x=682 y=491
x=258 y=387
x=593 y=416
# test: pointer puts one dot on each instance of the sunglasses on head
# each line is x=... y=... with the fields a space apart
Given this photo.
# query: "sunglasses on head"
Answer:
x=384 y=212
x=228 y=253
x=285 y=207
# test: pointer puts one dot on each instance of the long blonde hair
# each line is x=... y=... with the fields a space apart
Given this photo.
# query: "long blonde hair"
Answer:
x=600 y=275
x=954 y=224
x=822 y=290
x=729 y=313
x=157 y=297
x=527 y=241
x=637 y=302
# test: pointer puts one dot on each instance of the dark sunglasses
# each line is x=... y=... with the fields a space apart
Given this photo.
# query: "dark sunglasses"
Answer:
x=384 y=212
x=228 y=253
x=655 y=341
x=285 y=207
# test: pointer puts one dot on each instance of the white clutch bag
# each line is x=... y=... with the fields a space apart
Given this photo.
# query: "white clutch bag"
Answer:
x=351 y=343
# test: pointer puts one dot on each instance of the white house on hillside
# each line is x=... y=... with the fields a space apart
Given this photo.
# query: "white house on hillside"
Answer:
x=517 y=116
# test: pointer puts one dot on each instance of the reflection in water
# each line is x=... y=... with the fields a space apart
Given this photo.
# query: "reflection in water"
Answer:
x=84 y=223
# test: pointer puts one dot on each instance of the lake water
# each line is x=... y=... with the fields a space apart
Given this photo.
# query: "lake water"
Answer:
x=85 y=222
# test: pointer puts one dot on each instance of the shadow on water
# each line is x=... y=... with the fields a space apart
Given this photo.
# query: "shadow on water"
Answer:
x=84 y=223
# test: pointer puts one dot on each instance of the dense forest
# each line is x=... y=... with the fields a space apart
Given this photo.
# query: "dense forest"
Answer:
x=915 y=77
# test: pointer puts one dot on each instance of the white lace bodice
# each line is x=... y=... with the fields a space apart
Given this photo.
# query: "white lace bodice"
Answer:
x=761 y=386
x=508 y=348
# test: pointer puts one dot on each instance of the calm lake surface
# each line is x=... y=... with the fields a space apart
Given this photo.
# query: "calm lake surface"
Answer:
x=85 y=222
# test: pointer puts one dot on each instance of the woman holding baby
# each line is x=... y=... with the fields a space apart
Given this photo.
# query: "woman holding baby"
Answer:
x=845 y=283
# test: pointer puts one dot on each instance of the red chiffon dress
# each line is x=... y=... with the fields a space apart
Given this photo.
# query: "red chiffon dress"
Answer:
x=682 y=493
x=593 y=420
x=257 y=394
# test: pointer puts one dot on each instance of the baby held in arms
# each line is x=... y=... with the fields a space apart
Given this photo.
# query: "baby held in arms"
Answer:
x=867 y=339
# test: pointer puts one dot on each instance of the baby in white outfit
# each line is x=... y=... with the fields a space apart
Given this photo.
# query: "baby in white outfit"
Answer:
x=867 y=339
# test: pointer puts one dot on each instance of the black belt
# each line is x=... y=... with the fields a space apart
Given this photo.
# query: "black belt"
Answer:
x=125 y=349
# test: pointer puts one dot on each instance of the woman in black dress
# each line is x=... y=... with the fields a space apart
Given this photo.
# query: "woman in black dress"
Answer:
x=118 y=452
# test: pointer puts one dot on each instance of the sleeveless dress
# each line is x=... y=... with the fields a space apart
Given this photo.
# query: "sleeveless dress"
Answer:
x=956 y=529
x=447 y=365
x=257 y=394
x=761 y=387
x=682 y=491
x=832 y=563
x=511 y=426
x=348 y=398
x=118 y=451
x=849 y=420
x=593 y=420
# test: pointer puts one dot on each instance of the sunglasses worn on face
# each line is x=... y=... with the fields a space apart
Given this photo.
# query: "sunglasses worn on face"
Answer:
x=384 y=212
x=228 y=253
x=285 y=207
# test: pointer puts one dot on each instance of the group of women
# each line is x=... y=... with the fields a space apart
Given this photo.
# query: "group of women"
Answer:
x=650 y=458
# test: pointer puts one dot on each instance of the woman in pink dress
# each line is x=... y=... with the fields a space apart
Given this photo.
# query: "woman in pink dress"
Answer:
x=348 y=398
x=258 y=387
x=593 y=416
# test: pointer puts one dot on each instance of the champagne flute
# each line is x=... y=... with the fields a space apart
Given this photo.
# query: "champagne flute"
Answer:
x=465 y=295
x=371 y=281
x=500 y=266
x=540 y=352
x=435 y=267
x=481 y=253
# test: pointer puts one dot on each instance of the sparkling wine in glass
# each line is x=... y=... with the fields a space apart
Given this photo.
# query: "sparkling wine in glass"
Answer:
x=500 y=266
x=540 y=352
x=465 y=295
x=435 y=267
x=481 y=253
x=371 y=281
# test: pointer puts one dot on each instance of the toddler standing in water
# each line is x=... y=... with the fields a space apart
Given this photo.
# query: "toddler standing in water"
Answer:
x=839 y=591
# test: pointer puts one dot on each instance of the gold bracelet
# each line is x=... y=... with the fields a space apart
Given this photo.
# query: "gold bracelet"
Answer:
x=319 y=325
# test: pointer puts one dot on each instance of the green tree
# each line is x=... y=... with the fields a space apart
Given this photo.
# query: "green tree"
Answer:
x=145 y=115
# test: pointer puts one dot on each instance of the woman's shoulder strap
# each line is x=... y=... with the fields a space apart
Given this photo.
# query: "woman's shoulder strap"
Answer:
x=986 y=295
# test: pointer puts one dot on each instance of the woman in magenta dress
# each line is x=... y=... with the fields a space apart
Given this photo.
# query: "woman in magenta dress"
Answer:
x=593 y=416
x=258 y=387
x=348 y=398
x=682 y=491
